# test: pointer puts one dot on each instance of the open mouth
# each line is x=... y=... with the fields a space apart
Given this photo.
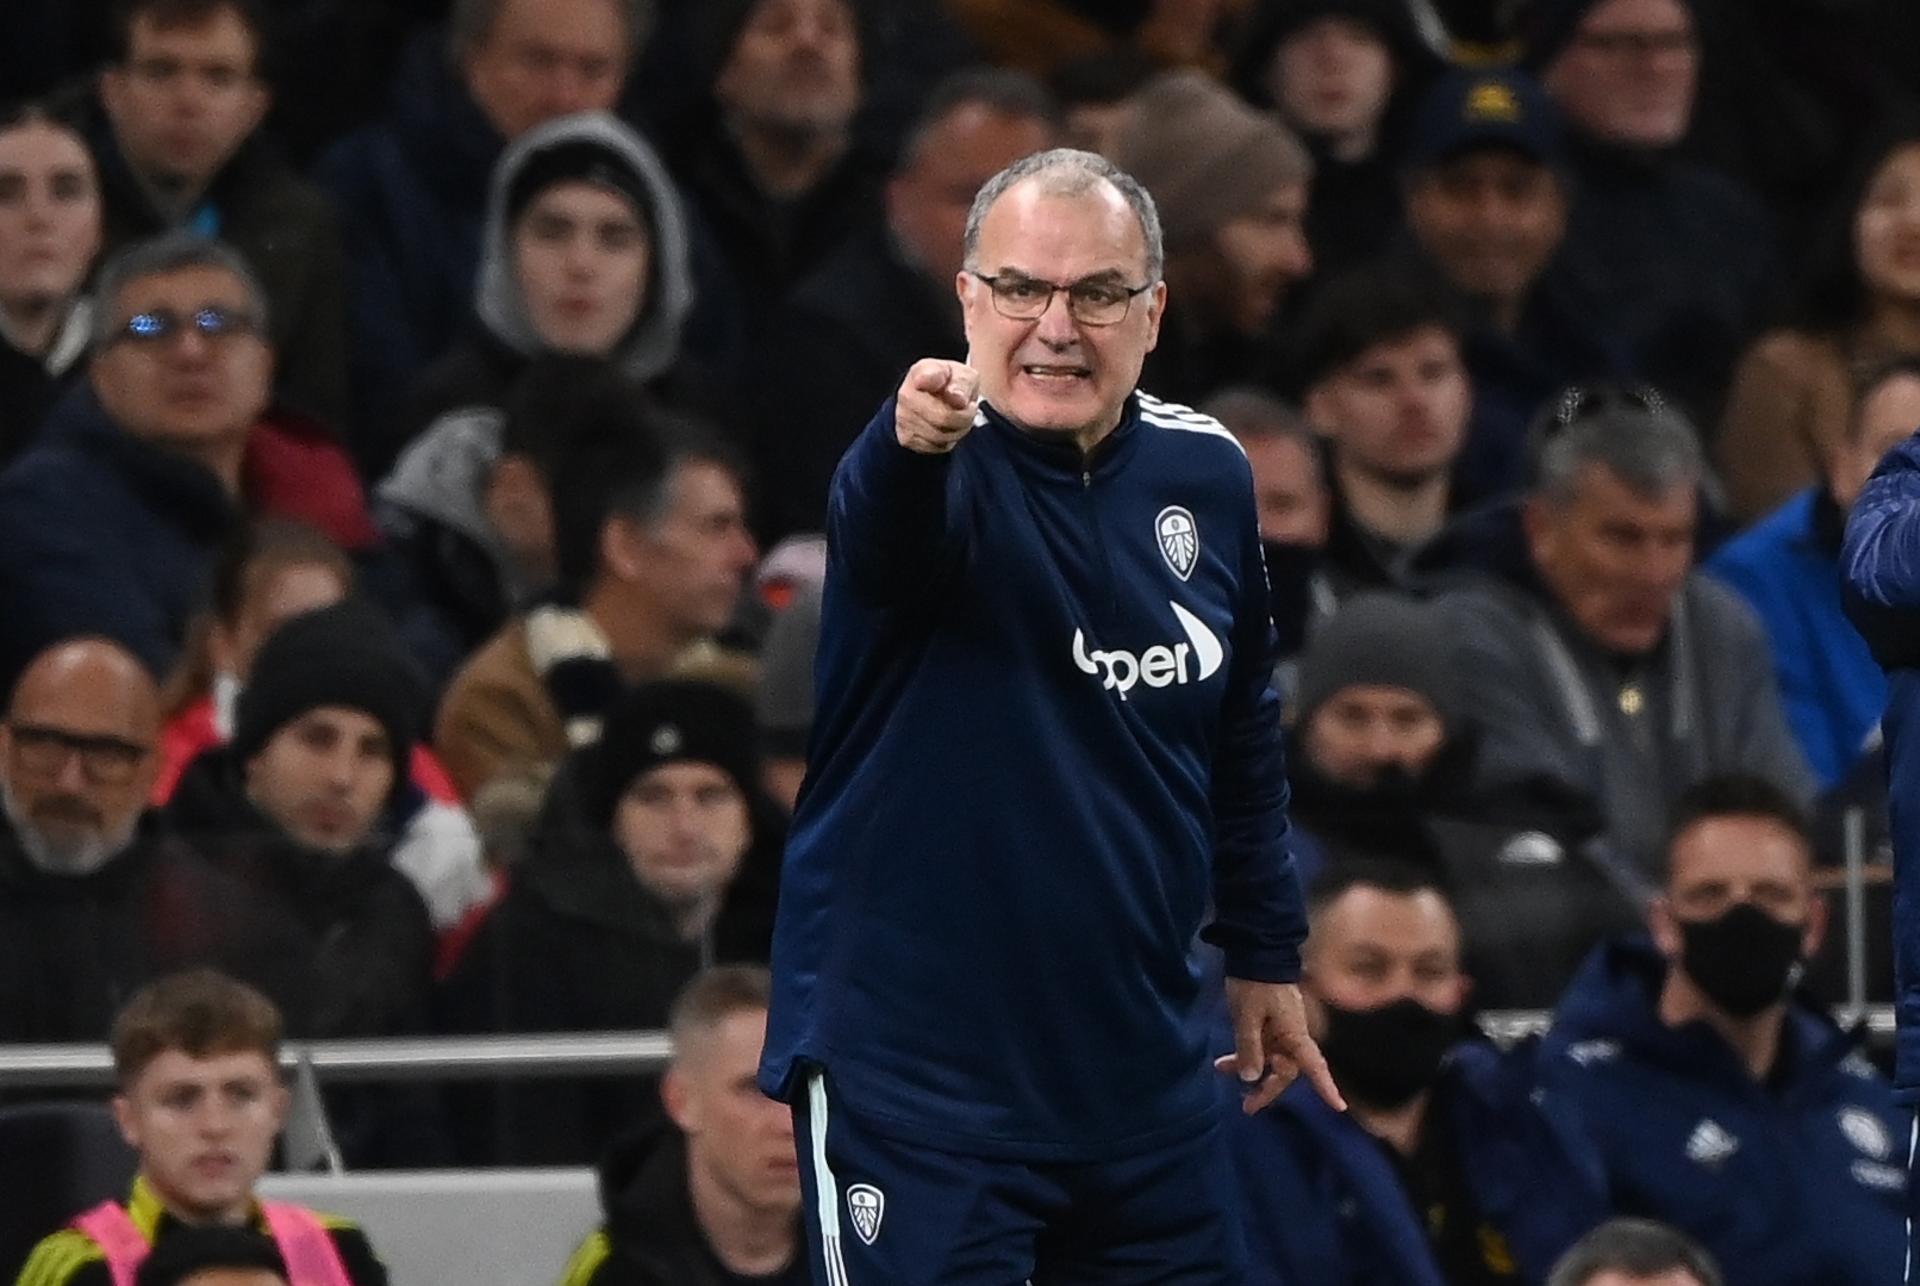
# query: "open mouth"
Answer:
x=1056 y=375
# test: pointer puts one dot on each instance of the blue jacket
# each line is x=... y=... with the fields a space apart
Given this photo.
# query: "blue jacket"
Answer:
x=1797 y=1183
x=1880 y=571
x=1324 y=1205
x=101 y=533
x=411 y=191
x=1044 y=738
x=1787 y=568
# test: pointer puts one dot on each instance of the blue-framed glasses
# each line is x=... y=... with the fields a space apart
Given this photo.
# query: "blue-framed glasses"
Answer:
x=158 y=325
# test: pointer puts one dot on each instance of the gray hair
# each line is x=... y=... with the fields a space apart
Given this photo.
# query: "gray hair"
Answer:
x=1638 y=1248
x=1066 y=171
x=1651 y=450
x=471 y=22
x=168 y=253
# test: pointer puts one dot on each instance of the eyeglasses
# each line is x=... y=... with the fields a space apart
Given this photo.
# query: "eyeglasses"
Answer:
x=1091 y=303
x=107 y=761
x=158 y=325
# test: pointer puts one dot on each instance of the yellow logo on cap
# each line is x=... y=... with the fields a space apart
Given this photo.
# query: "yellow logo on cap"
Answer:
x=1493 y=101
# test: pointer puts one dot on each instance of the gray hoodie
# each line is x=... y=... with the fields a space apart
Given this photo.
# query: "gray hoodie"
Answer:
x=443 y=474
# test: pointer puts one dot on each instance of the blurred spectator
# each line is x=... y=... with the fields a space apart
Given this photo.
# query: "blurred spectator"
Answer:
x=1679 y=260
x=1382 y=766
x=657 y=854
x=711 y=1195
x=1487 y=201
x=214 y=1255
x=784 y=697
x=277 y=572
x=1290 y=488
x=768 y=160
x=1635 y=1252
x=585 y=253
x=110 y=523
x=1231 y=188
x=1792 y=395
x=1717 y=1099
x=1606 y=668
x=652 y=551
x=887 y=296
x=49 y=238
x=1445 y=1169
x=94 y=899
x=1378 y=363
x=411 y=189
x=297 y=805
x=197 y=1059
x=1342 y=75
x=174 y=124
x=1787 y=566
x=1093 y=93
x=1042 y=36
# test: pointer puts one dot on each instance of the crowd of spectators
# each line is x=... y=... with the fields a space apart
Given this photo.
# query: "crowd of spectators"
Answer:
x=416 y=422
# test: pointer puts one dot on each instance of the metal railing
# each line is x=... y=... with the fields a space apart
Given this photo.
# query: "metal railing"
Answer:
x=451 y=1058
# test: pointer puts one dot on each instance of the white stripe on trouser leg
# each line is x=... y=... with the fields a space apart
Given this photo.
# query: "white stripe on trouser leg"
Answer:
x=823 y=1180
x=1913 y=1142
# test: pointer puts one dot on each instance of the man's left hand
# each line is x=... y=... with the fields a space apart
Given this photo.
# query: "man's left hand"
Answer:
x=1271 y=1044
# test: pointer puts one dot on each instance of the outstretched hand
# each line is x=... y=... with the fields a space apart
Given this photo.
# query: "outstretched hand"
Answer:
x=935 y=406
x=1271 y=1044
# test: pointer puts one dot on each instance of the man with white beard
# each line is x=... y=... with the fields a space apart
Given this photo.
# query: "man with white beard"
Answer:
x=94 y=900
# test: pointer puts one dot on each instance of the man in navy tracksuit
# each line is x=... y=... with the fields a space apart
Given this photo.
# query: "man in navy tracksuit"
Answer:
x=1719 y=1101
x=1045 y=742
x=1880 y=571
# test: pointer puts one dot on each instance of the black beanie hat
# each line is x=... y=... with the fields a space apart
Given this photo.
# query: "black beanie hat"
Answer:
x=343 y=655
x=671 y=721
x=579 y=160
x=1382 y=639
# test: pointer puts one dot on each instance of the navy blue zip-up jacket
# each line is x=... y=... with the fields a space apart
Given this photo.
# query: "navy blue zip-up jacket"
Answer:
x=1800 y=1182
x=1324 y=1205
x=1880 y=574
x=1045 y=740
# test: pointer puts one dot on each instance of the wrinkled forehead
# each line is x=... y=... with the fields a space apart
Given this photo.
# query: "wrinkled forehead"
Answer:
x=1062 y=236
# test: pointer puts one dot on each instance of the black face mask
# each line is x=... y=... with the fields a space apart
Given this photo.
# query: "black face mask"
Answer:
x=1744 y=959
x=1385 y=1056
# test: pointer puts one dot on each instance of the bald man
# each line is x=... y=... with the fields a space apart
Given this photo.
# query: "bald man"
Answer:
x=93 y=900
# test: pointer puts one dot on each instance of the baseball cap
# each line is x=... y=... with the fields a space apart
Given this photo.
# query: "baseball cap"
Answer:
x=1469 y=110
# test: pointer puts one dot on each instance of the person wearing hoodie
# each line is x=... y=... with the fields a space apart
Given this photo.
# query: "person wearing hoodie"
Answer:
x=709 y=1196
x=1447 y=1170
x=1718 y=1097
x=1381 y=767
x=1606 y=668
x=656 y=855
x=411 y=188
x=49 y=239
x=586 y=266
x=1342 y=75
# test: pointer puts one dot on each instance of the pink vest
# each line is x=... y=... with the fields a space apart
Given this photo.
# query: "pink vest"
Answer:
x=311 y=1257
